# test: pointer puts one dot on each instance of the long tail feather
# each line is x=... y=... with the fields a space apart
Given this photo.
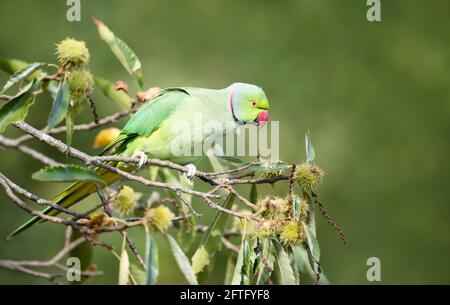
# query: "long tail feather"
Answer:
x=70 y=196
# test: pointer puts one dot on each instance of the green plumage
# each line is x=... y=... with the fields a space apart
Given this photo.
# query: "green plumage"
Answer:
x=153 y=130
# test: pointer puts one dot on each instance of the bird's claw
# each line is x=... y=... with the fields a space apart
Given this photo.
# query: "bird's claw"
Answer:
x=142 y=158
x=192 y=171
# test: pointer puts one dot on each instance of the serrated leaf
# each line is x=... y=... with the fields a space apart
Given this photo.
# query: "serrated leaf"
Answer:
x=124 y=267
x=21 y=75
x=66 y=173
x=151 y=259
x=122 y=51
x=109 y=90
x=310 y=153
x=60 y=105
x=283 y=264
x=200 y=259
x=17 y=108
x=182 y=260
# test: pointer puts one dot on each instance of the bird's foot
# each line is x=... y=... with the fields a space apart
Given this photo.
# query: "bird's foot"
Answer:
x=142 y=158
x=192 y=171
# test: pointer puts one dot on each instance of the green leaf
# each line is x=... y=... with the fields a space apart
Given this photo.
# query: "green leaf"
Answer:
x=231 y=160
x=283 y=265
x=237 y=275
x=11 y=66
x=21 y=75
x=266 y=256
x=17 y=108
x=124 y=267
x=122 y=51
x=138 y=275
x=151 y=259
x=245 y=262
x=310 y=153
x=84 y=252
x=60 y=106
x=313 y=244
x=269 y=166
x=260 y=167
x=248 y=260
x=200 y=259
x=295 y=269
x=301 y=257
x=297 y=207
x=182 y=260
x=66 y=173
x=70 y=122
x=120 y=97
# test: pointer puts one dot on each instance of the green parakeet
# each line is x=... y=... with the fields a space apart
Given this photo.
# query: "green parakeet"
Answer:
x=154 y=131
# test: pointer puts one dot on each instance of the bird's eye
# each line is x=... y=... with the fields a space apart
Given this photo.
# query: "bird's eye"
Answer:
x=253 y=103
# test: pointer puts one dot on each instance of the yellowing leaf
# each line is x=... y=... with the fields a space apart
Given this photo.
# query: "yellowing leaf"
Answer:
x=200 y=259
x=122 y=51
x=124 y=267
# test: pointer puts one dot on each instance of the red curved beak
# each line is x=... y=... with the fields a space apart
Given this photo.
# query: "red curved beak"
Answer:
x=263 y=117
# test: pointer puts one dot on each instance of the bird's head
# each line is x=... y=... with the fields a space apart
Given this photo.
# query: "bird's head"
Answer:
x=248 y=104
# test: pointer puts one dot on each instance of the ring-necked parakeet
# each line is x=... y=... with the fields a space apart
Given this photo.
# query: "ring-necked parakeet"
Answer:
x=150 y=131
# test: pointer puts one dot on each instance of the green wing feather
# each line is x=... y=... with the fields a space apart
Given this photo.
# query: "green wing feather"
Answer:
x=149 y=117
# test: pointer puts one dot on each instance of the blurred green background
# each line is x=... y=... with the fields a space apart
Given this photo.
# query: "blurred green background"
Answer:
x=375 y=96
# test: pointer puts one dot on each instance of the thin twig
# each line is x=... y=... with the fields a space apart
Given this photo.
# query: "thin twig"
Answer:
x=330 y=220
